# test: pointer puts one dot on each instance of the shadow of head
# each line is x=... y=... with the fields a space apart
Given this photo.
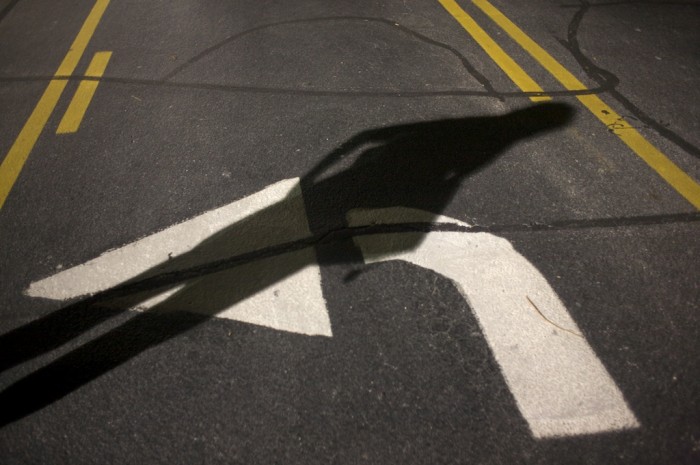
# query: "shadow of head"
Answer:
x=416 y=165
x=539 y=118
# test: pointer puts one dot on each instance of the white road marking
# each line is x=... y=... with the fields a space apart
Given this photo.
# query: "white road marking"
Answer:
x=559 y=384
x=291 y=300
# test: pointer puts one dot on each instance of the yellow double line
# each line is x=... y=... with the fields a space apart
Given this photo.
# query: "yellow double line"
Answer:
x=14 y=160
x=669 y=171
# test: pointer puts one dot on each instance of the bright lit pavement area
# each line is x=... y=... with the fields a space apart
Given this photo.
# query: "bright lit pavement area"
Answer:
x=349 y=232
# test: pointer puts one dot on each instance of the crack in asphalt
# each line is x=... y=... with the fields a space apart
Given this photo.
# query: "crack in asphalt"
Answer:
x=392 y=24
x=305 y=92
x=607 y=80
x=166 y=81
x=343 y=234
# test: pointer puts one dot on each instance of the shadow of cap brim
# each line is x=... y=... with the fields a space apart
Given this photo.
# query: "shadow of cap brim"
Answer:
x=542 y=116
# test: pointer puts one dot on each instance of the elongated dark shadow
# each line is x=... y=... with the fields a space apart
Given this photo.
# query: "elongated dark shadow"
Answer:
x=6 y=11
x=419 y=165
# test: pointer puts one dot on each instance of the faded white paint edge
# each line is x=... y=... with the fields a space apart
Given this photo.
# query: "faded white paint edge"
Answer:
x=293 y=303
x=560 y=386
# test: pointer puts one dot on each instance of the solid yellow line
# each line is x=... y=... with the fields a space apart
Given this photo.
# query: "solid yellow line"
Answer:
x=83 y=96
x=669 y=171
x=23 y=145
x=497 y=54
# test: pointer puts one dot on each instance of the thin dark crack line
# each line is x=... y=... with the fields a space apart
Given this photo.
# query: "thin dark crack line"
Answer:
x=613 y=222
x=343 y=234
x=422 y=38
x=166 y=82
x=303 y=92
x=606 y=79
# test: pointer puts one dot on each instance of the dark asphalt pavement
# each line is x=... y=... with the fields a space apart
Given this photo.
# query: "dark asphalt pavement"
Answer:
x=367 y=105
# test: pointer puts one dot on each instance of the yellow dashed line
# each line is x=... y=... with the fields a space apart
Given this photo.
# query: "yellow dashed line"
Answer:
x=86 y=90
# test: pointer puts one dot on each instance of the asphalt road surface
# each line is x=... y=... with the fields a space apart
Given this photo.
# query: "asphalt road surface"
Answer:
x=405 y=231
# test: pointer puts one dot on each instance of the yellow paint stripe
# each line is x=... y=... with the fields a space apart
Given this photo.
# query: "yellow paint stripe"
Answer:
x=83 y=96
x=497 y=54
x=23 y=145
x=669 y=171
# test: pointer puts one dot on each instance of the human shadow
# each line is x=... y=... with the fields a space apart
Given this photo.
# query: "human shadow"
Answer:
x=418 y=165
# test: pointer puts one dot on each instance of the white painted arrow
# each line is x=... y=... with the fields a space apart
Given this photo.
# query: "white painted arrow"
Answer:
x=292 y=301
x=559 y=384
